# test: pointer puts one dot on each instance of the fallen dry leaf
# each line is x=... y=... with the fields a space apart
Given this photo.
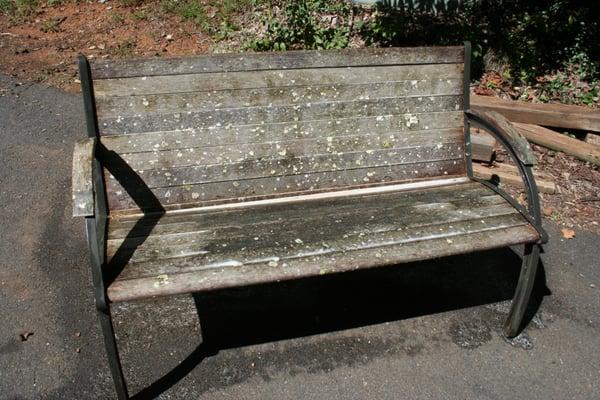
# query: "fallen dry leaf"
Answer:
x=25 y=335
x=568 y=233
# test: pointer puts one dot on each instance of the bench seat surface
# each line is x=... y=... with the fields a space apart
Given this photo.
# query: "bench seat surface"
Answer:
x=212 y=248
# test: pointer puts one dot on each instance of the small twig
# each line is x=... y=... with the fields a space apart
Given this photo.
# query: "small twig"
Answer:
x=589 y=199
x=8 y=34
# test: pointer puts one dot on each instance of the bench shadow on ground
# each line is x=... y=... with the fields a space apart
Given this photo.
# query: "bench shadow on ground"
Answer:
x=277 y=311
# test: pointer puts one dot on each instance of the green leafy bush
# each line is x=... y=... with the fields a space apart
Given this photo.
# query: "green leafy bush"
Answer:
x=533 y=37
x=301 y=26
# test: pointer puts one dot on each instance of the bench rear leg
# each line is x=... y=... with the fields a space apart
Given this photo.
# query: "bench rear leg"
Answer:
x=523 y=292
x=110 y=342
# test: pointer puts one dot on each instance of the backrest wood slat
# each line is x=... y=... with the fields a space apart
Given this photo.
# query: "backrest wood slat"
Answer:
x=227 y=128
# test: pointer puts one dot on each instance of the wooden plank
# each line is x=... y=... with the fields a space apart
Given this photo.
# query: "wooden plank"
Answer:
x=556 y=141
x=228 y=242
x=268 y=79
x=82 y=180
x=114 y=106
x=408 y=107
x=288 y=150
x=229 y=273
x=258 y=167
x=277 y=60
x=511 y=177
x=451 y=200
x=403 y=127
x=557 y=115
x=253 y=189
x=260 y=228
x=592 y=138
x=482 y=147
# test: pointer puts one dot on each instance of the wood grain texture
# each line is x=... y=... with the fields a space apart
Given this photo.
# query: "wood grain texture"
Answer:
x=149 y=104
x=82 y=180
x=102 y=69
x=405 y=108
x=311 y=239
x=402 y=128
x=168 y=84
x=265 y=187
x=197 y=131
x=559 y=142
x=558 y=115
x=510 y=175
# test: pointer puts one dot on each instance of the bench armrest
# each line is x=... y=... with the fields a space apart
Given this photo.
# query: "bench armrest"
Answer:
x=83 y=186
x=506 y=133
x=520 y=150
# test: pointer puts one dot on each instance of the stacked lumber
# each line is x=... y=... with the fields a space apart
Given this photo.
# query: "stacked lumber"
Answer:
x=528 y=118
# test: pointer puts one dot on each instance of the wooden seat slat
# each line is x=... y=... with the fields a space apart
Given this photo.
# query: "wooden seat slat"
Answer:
x=297 y=235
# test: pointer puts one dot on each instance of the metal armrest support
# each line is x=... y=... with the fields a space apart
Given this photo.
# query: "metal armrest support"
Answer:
x=520 y=150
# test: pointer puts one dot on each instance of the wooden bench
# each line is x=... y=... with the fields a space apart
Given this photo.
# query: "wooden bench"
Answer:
x=227 y=170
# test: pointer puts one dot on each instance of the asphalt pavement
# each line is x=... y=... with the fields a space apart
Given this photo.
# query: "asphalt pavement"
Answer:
x=420 y=331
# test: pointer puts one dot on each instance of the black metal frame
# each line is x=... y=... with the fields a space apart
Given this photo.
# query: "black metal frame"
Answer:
x=96 y=235
x=533 y=214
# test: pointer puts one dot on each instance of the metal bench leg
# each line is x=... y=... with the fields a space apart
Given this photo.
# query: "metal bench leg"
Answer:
x=113 y=354
x=526 y=280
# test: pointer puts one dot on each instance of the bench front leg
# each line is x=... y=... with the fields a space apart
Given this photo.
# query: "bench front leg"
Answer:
x=520 y=150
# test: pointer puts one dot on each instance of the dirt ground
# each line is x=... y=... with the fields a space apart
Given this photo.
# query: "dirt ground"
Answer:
x=43 y=49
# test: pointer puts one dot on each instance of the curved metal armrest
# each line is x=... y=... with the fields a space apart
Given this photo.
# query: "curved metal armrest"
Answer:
x=521 y=152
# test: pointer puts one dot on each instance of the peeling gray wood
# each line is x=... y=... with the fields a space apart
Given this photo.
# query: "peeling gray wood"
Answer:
x=82 y=180
x=407 y=108
x=230 y=274
x=229 y=242
x=249 y=189
x=375 y=237
x=253 y=168
x=474 y=191
x=264 y=79
x=404 y=127
x=276 y=60
x=114 y=106
x=289 y=150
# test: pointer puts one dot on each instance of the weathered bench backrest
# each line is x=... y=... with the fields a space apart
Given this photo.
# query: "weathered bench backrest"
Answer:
x=236 y=127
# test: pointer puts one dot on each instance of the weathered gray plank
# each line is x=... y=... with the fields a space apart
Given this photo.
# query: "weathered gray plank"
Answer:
x=259 y=167
x=228 y=273
x=404 y=128
x=287 y=151
x=114 y=106
x=175 y=223
x=408 y=107
x=250 y=189
x=330 y=228
x=265 y=79
x=277 y=60
x=445 y=193
x=82 y=181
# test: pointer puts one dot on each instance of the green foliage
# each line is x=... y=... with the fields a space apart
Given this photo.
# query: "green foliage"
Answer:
x=534 y=37
x=188 y=10
x=18 y=9
x=301 y=27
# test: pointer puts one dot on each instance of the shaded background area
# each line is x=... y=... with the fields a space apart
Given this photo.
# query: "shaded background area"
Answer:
x=425 y=330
